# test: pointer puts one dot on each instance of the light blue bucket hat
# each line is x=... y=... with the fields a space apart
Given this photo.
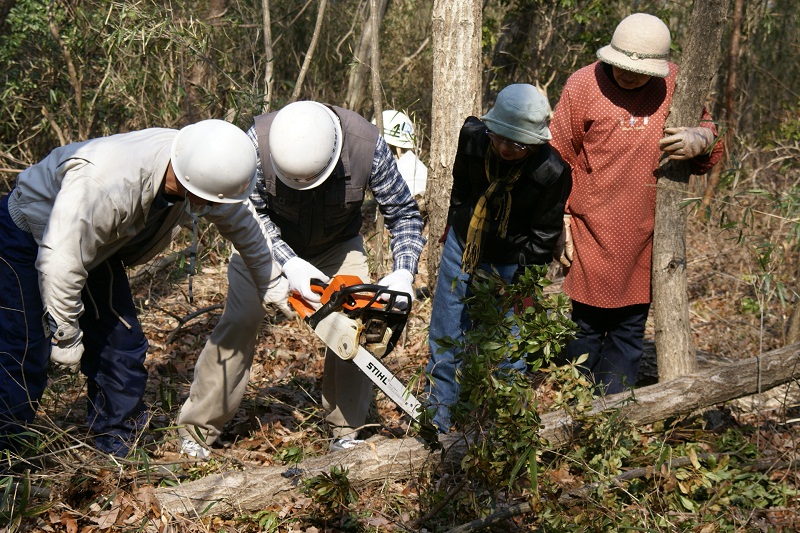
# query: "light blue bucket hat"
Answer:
x=520 y=114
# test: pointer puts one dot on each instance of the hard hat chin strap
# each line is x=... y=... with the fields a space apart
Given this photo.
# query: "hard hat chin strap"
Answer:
x=194 y=212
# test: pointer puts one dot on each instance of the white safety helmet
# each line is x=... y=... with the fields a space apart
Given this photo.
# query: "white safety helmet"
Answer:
x=305 y=142
x=215 y=161
x=398 y=129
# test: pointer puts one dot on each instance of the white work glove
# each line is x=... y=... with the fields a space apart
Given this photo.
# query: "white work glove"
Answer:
x=401 y=280
x=277 y=294
x=564 y=248
x=300 y=272
x=67 y=353
x=686 y=143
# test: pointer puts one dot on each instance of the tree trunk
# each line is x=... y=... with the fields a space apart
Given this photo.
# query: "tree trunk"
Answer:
x=357 y=81
x=375 y=16
x=382 y=459
x=670 y=290
x=199 y=81
x=269 y=71
x=729 y=102
x=456 y=94
x=312 y=46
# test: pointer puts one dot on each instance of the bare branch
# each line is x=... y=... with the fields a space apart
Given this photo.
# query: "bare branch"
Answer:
x=310 y=53
x=73 y=73
x=56 y=128
x=407 y=60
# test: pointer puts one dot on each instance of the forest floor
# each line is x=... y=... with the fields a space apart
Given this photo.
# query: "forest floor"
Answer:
x=281 y=418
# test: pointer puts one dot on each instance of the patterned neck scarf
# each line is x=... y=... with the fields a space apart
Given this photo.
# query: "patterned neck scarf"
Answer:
x=495 y=203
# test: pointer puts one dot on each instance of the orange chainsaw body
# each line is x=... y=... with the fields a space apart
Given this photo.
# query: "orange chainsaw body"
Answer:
x=373 y=307
x=353 y=302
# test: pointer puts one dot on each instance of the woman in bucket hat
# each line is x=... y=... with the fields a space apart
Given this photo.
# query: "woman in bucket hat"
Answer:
x=506 y=206
x=609 y=126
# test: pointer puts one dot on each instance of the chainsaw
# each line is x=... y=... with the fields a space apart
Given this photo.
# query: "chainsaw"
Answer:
x=361 y=322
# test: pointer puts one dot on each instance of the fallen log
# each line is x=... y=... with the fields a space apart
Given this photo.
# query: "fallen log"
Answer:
x=686 y=394
x=380 y=459
x=386 y=459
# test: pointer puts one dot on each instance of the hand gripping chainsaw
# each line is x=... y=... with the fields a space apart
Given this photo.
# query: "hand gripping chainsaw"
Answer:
x=360 y=327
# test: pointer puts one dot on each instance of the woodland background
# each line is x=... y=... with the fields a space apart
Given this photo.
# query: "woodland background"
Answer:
x=74 y=70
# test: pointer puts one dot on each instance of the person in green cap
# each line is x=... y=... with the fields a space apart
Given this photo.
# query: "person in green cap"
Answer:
x=506 y=208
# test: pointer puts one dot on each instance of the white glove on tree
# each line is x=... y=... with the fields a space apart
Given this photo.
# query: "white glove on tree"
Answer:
x=564 y=248
x=277 y=294
x=685 y=143
x=67 y=354
x=401 y=280
x=299 y=273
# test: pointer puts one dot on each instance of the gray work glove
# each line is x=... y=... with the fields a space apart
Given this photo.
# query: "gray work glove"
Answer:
x=66 y=349
x=401 y=280
x=299 y=273
x=686 y=143
x=565 y=250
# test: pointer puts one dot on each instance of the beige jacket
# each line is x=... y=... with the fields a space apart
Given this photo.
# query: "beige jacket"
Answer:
x=85 y=201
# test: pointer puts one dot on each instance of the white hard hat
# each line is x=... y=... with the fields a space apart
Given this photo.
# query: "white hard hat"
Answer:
x=215 y=160
x=398 y=130
x=305 y=142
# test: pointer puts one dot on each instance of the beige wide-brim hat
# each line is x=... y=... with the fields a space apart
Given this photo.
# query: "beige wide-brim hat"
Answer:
x=520 y=114
x=640 y=44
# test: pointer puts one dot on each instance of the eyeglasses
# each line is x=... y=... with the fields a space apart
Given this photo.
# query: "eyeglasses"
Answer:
x=499 y=139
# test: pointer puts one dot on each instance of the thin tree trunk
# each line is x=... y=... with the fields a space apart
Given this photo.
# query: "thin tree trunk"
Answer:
x=72 y=72
x=268 y=57
x=456 y=94
x=377 y=107
x=358 y=72
x=729 y=102
x=673 y=333
x=310 y=53
x=199 y=81
x=357 y=81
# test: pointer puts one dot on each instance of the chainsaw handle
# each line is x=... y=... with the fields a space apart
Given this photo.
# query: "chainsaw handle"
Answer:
x=352 y=298
x=300 y=305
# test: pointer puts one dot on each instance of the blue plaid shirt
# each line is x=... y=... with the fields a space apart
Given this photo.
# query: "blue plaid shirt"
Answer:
x=398 y=207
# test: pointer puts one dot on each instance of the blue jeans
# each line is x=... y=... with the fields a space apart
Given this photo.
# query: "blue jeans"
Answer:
x=113 y=358
x=449 y=318
x=614 y=340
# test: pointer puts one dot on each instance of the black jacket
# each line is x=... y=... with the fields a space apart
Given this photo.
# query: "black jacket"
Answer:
x=537 y=205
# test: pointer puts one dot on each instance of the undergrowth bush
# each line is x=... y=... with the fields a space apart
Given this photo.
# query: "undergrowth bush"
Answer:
x=608 y=475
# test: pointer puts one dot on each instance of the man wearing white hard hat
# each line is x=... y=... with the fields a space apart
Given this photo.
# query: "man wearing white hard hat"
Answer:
x=506 y=206
x=68 y=229
x=315 y=164
x=398 y=130
x=609 y=125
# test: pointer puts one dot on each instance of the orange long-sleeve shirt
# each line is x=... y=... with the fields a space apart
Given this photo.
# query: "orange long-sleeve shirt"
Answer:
x=609 y=136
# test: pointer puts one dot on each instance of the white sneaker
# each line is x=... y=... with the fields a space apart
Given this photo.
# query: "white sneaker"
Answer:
x=194 y=449
x=344 y=443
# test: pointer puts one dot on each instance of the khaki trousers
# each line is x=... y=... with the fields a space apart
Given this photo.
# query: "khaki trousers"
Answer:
x=223 y=367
